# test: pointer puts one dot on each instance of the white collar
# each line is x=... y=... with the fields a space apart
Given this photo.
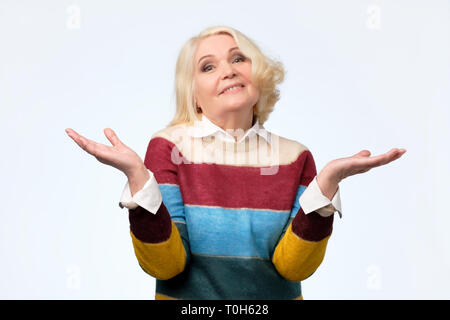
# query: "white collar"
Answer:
x=205 y=127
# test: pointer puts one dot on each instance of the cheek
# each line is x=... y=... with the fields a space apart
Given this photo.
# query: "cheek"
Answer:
x=204 y=87
x=253 y=89
x=254 y=92
x=208 y=85
x=246 y=72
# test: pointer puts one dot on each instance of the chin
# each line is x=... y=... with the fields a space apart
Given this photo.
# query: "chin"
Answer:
x=238 y=106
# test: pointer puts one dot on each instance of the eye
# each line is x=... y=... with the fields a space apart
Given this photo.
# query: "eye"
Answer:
x=206 y=67
x=240 y=58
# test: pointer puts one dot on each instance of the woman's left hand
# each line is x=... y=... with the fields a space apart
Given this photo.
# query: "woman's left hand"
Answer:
x=361 y=162
x=337 y=170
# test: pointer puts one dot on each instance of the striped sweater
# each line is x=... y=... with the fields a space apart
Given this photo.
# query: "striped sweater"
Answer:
x=227 y=229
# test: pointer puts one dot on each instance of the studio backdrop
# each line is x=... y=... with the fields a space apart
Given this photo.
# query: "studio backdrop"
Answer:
x=371 y=74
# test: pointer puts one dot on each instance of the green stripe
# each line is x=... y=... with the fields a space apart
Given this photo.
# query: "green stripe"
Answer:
x=209 y=277
x=182 y=230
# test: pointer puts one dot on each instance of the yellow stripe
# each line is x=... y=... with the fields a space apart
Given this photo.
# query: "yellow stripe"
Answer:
x=159 y=296
x=162 y=260
x=296 y=259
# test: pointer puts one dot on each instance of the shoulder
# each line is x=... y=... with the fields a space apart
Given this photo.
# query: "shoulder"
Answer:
x=172 y=134
x=170 y=137
x=169 y=143
x=163 y=147
x=289 y=150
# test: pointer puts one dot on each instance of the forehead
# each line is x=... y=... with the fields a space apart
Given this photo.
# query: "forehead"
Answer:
x=217 y=44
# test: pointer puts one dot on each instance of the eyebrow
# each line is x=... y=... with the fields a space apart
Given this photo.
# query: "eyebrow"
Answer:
x=210 y=55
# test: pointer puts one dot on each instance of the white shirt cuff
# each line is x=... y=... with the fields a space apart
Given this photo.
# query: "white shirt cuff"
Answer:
x=149 y=197
x=312 y=199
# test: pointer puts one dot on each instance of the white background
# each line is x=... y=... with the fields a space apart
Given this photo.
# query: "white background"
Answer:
x=359 y=75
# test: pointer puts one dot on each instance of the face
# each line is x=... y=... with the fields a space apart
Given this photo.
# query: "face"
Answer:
x=223 y=66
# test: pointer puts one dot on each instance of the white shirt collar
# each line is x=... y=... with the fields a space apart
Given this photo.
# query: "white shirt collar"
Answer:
x=206 y=127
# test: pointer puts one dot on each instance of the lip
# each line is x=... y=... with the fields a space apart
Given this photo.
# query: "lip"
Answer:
x=231 y=86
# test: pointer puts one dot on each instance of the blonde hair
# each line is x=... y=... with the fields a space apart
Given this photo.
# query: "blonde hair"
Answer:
x=266 y=75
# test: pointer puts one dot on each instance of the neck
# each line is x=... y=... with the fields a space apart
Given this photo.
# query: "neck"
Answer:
x=236 y=123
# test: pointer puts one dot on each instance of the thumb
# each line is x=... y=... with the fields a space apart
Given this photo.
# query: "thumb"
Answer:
x=363 y=153
x=112 y=137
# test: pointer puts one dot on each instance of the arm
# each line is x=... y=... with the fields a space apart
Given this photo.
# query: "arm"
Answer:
x=301 y=249
x=137 y=179
x=159 y=247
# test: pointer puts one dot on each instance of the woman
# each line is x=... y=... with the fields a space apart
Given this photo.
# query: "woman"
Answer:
x=212 y=216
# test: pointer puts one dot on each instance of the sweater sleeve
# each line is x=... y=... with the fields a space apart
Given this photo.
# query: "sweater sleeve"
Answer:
x=160 y=240
x=302 y=246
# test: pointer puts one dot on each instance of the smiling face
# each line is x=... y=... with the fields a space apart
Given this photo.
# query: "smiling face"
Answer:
x=223 y=66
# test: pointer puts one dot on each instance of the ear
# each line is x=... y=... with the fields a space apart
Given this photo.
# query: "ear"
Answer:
x=197 y=108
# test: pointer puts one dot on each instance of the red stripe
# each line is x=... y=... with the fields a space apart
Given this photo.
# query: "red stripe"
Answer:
x=309 y=169
x=239 y=187
x=225 y=185
x=312 y=227
x=146 y=226
x=149 y=227
x=158 y=160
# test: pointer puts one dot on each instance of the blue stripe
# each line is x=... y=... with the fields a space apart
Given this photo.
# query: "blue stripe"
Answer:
x=234 y=232
x=173 y=201
x=296 y=205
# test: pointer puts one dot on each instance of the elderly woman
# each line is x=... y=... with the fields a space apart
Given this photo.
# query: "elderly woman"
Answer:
x=220 y=208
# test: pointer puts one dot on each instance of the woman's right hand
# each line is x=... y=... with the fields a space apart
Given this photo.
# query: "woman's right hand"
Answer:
x=118 y=156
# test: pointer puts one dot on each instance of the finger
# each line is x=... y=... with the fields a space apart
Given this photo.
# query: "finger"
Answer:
x=396 y=153
x=69 y=132
x=112 y=137
x=75 y=136
x=87 y=145
x=381 y=159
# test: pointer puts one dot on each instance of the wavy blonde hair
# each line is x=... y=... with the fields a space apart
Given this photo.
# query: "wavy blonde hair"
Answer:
x=266 y=75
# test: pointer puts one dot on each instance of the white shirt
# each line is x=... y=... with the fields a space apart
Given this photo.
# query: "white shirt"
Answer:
x=205 y=127
x=149 y=197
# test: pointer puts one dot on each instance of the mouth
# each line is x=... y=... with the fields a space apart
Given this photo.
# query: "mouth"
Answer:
x=233 y=89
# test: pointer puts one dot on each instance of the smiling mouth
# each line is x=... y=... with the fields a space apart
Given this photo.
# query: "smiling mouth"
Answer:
x=235 y=88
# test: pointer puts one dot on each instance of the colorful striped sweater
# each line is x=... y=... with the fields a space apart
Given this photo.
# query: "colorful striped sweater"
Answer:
x=227 y=229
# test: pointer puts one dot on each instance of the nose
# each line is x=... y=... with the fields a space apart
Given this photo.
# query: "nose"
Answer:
x=228 y=71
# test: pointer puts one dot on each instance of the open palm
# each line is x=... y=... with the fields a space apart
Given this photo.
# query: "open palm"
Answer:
x=118 y=155
x=361 y=162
